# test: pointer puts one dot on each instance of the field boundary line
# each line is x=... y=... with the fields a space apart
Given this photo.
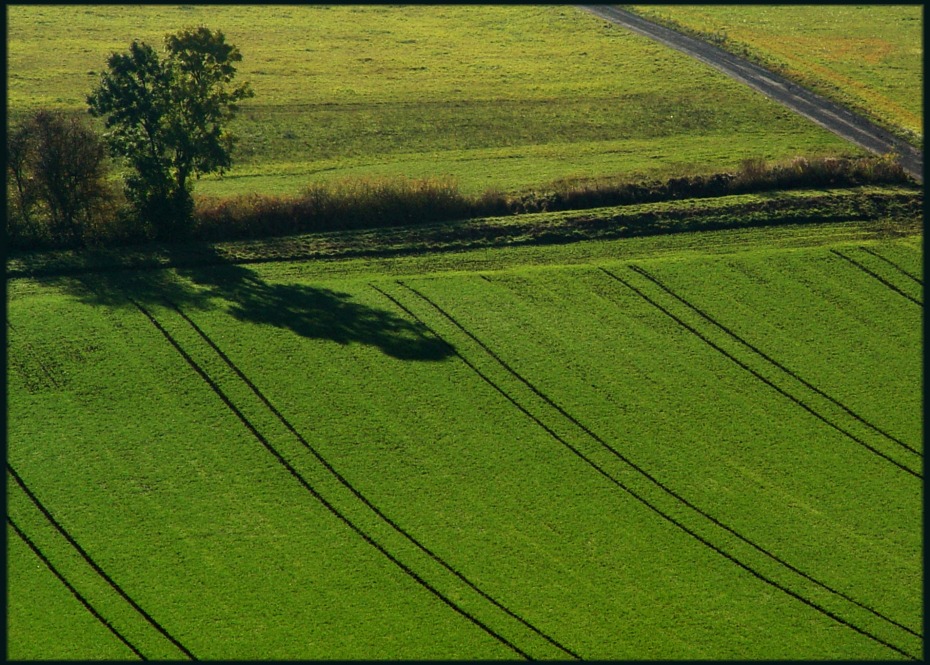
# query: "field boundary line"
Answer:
x=93 y=564
x=876 y=276
x=892 y=264
x=303 y=482
x=361 y=497
x=771 y=360
x=677 y=523
x=74 y=592
x=767 y=382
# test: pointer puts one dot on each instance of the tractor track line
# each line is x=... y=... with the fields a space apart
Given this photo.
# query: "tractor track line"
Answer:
x=300 y=479
x=746 y=367
x=892 y=264
x=682 y=499
x=37 y=358
x=680 y=525
x=876 y=276
x=780 y=366
x=74 y=592
x=93 y=564
x=361 y=497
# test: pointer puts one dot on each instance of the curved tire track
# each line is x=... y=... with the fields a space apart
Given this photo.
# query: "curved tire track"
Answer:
x=94 y=565
x=771 y=360
x=892 y=264
x=358 y=495
x=74 y=592
x=676 y=495
x=764 y=380
x=876 y=276
x=827 y=114
x=669 y=518
x=319 y=497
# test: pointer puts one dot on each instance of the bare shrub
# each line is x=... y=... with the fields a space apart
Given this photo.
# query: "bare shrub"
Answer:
x=57 y=178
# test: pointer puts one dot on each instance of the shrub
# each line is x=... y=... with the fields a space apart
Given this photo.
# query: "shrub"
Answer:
x=56 y=181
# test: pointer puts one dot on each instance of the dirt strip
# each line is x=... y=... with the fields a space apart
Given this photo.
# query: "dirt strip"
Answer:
x=825 y=113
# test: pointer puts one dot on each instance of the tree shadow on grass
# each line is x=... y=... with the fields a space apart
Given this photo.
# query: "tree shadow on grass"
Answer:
x=311 y=312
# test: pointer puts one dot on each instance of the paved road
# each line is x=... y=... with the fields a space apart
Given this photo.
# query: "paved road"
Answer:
x=825 y=113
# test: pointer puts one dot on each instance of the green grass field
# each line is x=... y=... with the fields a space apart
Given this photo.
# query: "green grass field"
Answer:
x=680 y=430
x=869 y=57
x=506 y=98
x=696 y=445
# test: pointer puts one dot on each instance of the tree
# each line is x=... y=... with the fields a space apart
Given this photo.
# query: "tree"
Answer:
x=167 y=118
x=56 y=165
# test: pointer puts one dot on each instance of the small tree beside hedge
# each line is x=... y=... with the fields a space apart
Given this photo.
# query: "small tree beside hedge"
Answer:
x=57 y=189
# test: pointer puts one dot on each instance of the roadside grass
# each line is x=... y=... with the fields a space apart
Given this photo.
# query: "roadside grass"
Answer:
x=210 y=532
x=867 y=57
x=492 y=96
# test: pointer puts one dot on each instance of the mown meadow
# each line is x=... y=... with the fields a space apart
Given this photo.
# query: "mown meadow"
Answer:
x=867 y=57
x=492 y=97
x=679 y=446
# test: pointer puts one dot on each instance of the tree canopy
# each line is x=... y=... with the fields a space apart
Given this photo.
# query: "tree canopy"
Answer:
x=167 y=117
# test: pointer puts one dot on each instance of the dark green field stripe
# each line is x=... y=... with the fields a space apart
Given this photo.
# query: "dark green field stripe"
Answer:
x=93 y=564
x=780 y=366
x=361 y=497
x=74 y=592
x=746 y=367
x=892 y=264
x=767 y=553
x=616 y=482
x=300 y=479
x=876 y=276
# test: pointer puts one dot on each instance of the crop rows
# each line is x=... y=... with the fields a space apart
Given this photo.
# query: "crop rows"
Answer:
x=72 y=550
x=558 y=462
x=815 y=587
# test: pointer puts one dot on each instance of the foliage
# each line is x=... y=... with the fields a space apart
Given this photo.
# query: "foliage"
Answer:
x=381 y=202
x=167 y=117
x=56 y=181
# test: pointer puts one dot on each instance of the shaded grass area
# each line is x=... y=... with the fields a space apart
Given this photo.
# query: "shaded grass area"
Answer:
x=868 y=58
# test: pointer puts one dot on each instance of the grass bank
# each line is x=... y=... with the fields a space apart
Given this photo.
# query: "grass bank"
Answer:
x=868 y=58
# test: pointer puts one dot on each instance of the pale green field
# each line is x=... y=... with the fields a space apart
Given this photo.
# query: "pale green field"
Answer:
x=867 y=56
x=505 y=97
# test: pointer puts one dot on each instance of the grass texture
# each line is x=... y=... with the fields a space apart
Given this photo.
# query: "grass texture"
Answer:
x=508 y=98
x=710 y=440
x=869 y=57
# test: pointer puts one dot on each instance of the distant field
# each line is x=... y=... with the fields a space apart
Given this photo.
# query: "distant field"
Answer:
x=693 y=446
x=866 y=56
x=506 y=97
